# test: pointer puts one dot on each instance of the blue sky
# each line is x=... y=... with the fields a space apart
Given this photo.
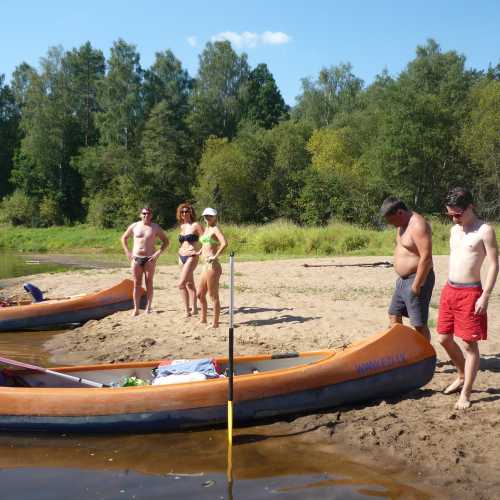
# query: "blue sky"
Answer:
x=294 y=38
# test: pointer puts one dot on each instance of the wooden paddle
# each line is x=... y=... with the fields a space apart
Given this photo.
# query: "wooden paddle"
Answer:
x=230 y=379
x=27 y=366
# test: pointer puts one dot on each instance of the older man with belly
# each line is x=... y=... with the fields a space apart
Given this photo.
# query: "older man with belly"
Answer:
x=413 y=264
x=464 y=301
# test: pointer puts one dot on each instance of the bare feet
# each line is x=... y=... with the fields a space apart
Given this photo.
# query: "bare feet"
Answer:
x=187 y=314
x=135 y=312
x=203 y=321
x=455 y=386
x=463 y=403
x=149 y=310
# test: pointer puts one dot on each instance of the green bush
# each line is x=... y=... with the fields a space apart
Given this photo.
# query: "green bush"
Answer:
x=49 y=212
x=354 y=242
x=17 y=209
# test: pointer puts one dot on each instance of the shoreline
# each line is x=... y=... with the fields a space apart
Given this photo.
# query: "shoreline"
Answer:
x=284 y=306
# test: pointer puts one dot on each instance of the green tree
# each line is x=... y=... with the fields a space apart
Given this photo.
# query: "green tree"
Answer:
x=264 y=104
x=121 y=118
x=481 y=138
x=334 y=93
x=50 y=137
x=85 y=68
x=336 y=185
x=289 y=162
x=229 y=179
x=218 y=92
x=166 y=81
x=21 y=82
x=114 y=188
x=418 y=150
x=9 y=134
x=168 y=173
x=17 y=209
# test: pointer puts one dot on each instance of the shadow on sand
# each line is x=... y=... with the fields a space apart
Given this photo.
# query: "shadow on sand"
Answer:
x=255 y=310
x=286 y=318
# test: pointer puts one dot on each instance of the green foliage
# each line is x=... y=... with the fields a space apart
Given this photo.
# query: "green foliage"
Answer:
x=121 y=119
x=333 y=94
x=263 y=104
x=481 y=139
x=229 y=178
x=168 y=172
x=85 y=69
x=114 y=190
x=166 y=81
x=9 y=134
x=418 y=151
x=276 y=239
x=217 y=99
x=17 y=209
x=49 y=212
x=82 y=138
x=284 y=179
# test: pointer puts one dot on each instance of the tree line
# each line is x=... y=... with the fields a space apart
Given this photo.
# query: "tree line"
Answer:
x=89 y=139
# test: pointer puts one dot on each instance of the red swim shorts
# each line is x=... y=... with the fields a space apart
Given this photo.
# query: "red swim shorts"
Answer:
x=457 y=313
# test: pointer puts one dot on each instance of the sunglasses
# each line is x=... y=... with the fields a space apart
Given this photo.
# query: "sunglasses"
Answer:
x=185 y=211
x=457 y=215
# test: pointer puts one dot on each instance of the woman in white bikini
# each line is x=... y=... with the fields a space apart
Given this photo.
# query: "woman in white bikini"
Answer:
x=188 y=255
x=213 y=244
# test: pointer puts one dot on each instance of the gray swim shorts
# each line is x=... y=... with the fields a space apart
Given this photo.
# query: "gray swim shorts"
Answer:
x=405 y=303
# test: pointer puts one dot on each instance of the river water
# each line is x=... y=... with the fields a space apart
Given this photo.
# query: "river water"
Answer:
x=268 y=462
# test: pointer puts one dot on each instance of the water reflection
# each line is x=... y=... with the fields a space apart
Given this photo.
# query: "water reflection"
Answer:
x=12 y=266
x=187 y=464
x=27 y=346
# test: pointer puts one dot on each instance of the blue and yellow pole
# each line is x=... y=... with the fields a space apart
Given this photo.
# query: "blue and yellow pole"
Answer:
x=230 y=377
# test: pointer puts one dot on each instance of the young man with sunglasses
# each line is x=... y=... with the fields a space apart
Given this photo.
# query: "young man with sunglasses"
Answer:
x=464 y=301
x=144 y=256
x=413 y=264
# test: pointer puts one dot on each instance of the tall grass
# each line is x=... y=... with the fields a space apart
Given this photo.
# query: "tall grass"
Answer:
x=277 y=239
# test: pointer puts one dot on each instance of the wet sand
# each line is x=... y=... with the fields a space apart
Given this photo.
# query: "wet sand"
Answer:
x=284 y=306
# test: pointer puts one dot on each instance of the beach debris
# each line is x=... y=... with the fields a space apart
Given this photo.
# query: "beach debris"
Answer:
x=361 y=264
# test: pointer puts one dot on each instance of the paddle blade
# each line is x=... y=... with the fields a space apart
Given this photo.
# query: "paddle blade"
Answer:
x=230 y=423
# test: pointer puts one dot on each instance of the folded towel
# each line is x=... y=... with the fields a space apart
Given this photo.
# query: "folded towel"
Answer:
x=179 y=379
x=180 y=367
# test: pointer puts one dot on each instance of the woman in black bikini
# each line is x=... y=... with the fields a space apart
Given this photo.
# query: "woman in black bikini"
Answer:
x=188 y=255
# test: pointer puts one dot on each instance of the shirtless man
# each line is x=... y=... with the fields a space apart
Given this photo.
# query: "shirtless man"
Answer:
x=464 y=302
x=143 y=256
x=413 y=263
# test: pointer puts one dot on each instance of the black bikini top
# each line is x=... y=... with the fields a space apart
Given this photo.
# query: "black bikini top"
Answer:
x=192 y=238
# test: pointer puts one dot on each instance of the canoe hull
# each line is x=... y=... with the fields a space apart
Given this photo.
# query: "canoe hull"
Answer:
x=64 y=318
x=388 y=384
x=73 y=310
x=263 y=396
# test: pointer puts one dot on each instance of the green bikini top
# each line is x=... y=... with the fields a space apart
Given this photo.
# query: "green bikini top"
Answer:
x=208 y=240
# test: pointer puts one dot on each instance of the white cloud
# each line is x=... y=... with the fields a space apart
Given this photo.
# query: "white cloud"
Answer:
x=247 y=39
x=275 y=38
x=192 y=40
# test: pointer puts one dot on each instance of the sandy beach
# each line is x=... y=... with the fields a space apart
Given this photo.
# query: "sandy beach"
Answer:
x=285 y=306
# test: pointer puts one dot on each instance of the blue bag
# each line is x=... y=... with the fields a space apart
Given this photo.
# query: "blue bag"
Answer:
x=35 y=292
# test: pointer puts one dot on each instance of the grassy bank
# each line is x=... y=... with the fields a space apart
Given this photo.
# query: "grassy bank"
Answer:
x=281 y=239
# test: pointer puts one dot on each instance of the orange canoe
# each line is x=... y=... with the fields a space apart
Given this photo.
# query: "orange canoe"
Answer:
x=387 y=364
x=66 y=311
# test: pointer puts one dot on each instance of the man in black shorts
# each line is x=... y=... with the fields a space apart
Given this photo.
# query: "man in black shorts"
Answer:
x=413 y=263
